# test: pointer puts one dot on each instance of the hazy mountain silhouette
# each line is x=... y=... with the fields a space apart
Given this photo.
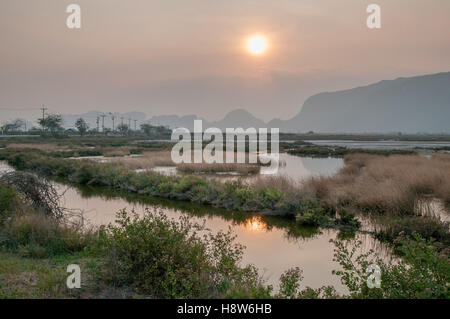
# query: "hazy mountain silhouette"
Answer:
x=409 y=105
x=416 y=104
x=234 y=119
x=175 y=121
x=239 y=118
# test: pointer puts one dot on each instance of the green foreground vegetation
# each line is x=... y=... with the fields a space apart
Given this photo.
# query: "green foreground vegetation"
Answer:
x=155 y=257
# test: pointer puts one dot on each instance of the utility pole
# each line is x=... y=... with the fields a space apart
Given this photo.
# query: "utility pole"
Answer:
x=98 y=123
x=113 y=118
x=103 y=122
x=43 y=108
x=135 y=124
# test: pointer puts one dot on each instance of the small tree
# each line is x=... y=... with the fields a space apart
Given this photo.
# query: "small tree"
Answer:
x=13 y=126
x=81 y=126
x=123 y=129
x=155 y=131
x=52 y=123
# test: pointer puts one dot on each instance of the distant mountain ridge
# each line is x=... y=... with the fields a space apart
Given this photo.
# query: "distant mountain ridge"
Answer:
x=235 y=118
x=419 y=104
x=409 y=105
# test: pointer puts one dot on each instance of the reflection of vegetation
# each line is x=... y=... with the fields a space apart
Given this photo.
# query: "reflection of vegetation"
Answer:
x=293 y=229
x=428 y=227
x=232 y=195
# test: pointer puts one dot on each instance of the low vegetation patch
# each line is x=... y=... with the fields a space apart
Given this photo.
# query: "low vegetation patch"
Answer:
x=339 y=151
x=149 y=160
x=428 y=227
x=421 y=272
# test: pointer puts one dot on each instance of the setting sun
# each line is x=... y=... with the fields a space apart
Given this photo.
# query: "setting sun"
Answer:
x=256 y=44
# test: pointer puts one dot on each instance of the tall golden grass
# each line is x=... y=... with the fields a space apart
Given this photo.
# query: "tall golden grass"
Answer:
x=149 y=160
x=383 y=184
x=146 y=160
x=38 y=146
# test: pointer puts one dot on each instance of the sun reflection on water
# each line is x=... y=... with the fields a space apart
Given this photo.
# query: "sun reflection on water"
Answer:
x=256 y=224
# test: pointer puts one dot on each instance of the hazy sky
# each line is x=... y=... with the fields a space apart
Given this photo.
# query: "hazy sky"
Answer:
x=189 y=57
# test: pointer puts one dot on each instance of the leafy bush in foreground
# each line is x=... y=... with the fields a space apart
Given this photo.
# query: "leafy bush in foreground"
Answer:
x=170 y=259
x=421 y=273
x=9 y=201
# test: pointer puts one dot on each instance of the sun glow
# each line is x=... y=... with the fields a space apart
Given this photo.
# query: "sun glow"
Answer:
x=256 y=44
x=256 y=224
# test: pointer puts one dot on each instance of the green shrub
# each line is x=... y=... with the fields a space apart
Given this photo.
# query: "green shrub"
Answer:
x=136 y=151
x=427 y=227
x=347 y=220
x=312 y=214
x=41 y=236
x=290 y=283
x=169 y=259
x=421 y=273
x=9 y=201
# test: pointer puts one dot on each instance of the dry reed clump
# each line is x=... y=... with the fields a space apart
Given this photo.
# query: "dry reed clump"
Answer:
x=243 y=169
x=115 y=151
x=146 y=160
x=149 y=160
x=38 y=146
x=282 y=183
x=382 y=184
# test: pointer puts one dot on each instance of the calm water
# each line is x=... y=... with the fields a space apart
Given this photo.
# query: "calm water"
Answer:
x=272 y=244
x=381 y=144
x=300 y=168
x=293 y=167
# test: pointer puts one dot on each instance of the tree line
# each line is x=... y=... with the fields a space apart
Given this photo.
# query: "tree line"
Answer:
x=52 y=125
